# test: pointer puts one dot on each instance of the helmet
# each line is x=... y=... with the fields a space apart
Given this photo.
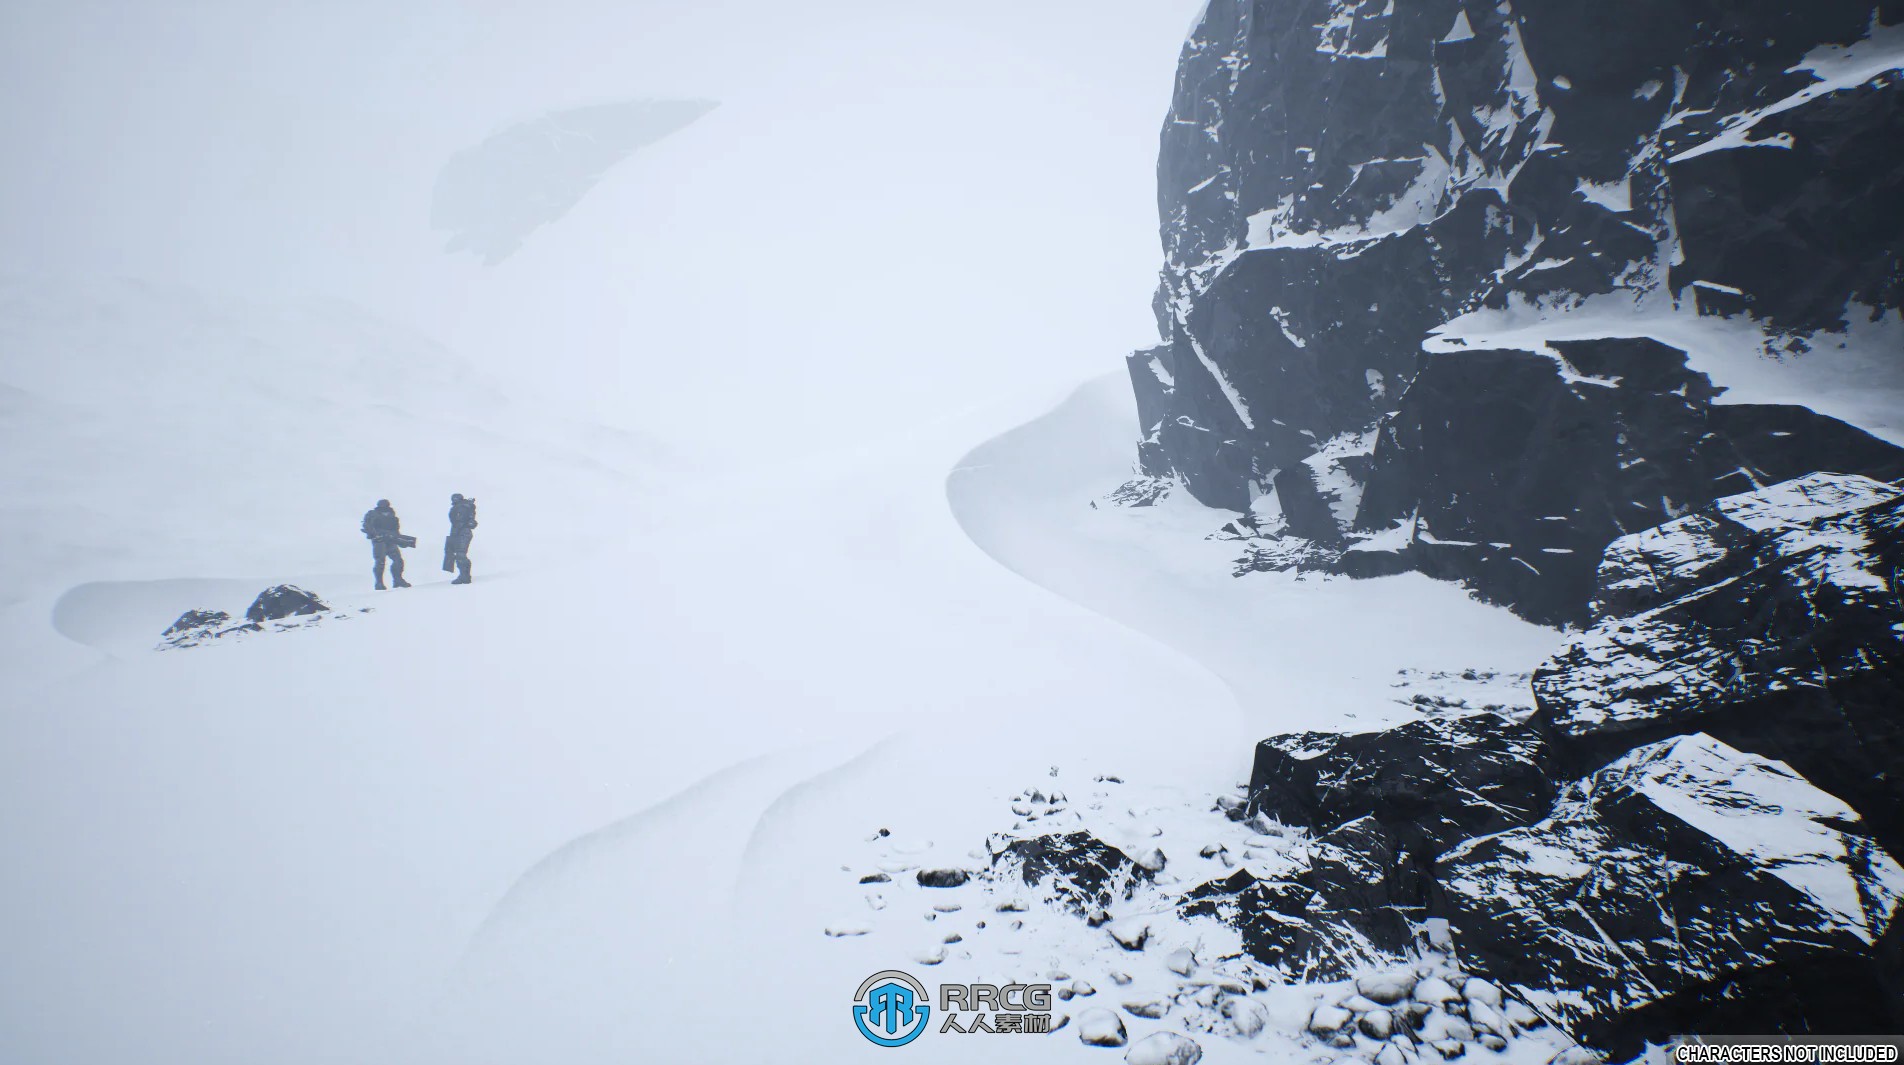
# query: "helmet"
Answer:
x=456 y=497
x=383 y=503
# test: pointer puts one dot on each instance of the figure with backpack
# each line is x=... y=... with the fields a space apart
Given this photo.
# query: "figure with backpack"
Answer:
x=456 y=545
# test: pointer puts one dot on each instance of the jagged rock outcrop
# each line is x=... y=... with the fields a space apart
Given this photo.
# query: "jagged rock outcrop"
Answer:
x=1085 y=873
x=1431 y=783
x=1770 y=619
x=1681 y=884
x=1512 y=471
x=1348 y=907
x=1340 y=177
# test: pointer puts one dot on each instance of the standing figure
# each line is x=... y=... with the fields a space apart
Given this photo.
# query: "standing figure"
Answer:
x=386 y=543
x=456 y=545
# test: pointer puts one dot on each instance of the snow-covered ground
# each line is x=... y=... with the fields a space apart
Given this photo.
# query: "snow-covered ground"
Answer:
x=603 y=804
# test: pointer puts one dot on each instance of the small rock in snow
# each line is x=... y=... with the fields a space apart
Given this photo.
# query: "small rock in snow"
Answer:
x=1387 y=988
x=1493 y=1042
x=1131 y=933
x=1449 y=1049
x=1434 y=991
x=1246 y=1015
x=1150 y=858
x=1081 y=988
x=1147 y=1008
x=1391 y=1055
x=1181 y=961
x=1329 y=1019
x=930 y=957
x=1479 y=990
x=1101 y=1028
x=1121 y=979
x=1377 y=1025
x=1164 y=1048
x=1521 y=1015
x=1360 y=1004
x=847 y=928
x=875 y=878
x=943 y=878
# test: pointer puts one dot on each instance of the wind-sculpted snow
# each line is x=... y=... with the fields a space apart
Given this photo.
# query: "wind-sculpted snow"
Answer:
x=1682 y=870
x=1770 y=619
x=491 y=197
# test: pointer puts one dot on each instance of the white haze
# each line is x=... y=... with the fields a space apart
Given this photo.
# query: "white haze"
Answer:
x=600 y=805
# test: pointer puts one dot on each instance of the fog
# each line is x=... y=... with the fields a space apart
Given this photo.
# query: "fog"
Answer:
x=889 y=201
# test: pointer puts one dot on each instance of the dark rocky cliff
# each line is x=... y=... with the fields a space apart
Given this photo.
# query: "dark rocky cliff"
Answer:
x=1340 y=178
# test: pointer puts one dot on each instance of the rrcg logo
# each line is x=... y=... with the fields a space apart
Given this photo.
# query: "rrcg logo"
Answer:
x=892 y=1009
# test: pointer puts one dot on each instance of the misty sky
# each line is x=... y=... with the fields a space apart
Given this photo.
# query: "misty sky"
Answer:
x=891 y=198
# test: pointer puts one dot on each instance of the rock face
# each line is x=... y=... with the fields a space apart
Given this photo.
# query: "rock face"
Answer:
x=1512 y=471
x=283 y=601
x=1770 y=619
x=1348 y=909
x=1430 y=784
x=1338 y=178
x=1665 y=886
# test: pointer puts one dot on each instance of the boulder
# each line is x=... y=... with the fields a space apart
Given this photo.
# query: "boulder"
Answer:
x=1431 y=783
x=1682 y=881
x=1770 y=619
x=283 y=601
x=1101 y=1028
x=1086 y=873
x=1515 y=470
x=1164 y=1048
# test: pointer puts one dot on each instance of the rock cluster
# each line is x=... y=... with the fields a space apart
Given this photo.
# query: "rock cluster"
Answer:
x=279 y=606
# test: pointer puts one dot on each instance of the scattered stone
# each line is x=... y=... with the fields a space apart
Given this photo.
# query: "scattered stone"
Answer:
x=847 y=928
x=1131 y=933
x=1390 y=1055
x=1521 y=1015
x=1246 y=1015
x=1181 y=961
x=1387 y=988
x=1477 y=990
x=943 y=878
x=1101 y=1028
x=1361 y=1004
x=947 y=907
x=1211 y=850
x=1449 y=1049
x=1121 y=979
x=1493 y=1042
x=876 y=878
x=1379 y=1024
x=931 y=957
x=1151 y=860
x=1164 y=1048
x=1081 y=988
x=1147 y=1008
x=1435 y=991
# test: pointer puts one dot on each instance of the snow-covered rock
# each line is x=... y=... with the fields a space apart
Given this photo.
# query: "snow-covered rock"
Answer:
x=1512 y=471
x=1432 y=783
x=1086 y=873
x=1101 y=1028
x=1338 y=179
x=283 y=601
x=1682 y=877
x=1164 y=1048
x=1771 y=620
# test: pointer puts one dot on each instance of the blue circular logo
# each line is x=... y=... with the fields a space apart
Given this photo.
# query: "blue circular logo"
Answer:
x=891 y=1008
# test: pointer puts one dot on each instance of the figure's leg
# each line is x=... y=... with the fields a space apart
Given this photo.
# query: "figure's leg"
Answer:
x=376 y=568
x=462 y=569
x=396 y=568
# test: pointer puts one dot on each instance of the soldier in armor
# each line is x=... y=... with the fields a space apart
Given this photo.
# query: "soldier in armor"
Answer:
x=456 y=545
x=386 y=543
